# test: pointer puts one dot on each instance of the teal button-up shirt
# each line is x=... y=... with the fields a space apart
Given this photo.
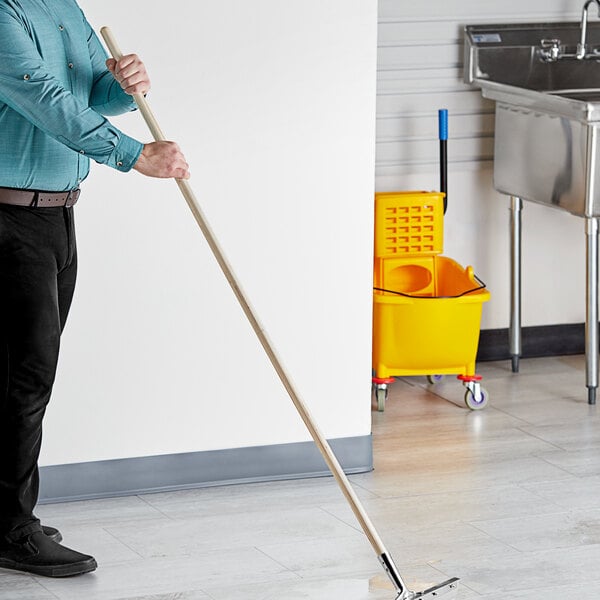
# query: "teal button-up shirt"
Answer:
x=54 y=90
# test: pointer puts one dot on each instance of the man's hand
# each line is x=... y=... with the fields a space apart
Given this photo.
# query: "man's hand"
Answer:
x=162 y=159
x=131 y=74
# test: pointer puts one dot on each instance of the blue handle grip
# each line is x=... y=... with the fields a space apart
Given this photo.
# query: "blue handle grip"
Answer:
x=443 y=123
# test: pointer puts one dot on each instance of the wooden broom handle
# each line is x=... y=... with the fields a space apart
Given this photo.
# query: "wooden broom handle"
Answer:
x=317 y=436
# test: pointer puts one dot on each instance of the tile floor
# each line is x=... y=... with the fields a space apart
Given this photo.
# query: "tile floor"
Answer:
x=507 y=499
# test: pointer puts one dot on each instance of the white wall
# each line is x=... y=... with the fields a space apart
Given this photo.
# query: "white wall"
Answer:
x=273 y=103
x=420 y=70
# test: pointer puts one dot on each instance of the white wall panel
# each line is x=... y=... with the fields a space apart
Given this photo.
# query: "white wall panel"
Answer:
x=274 y=104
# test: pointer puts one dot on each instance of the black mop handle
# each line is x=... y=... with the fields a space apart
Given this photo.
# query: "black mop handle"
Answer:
x=443 y=135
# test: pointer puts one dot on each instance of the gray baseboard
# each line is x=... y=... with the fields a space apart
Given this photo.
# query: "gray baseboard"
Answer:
x=129 y=476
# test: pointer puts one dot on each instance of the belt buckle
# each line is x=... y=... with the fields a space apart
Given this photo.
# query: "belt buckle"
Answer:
x=72 y=197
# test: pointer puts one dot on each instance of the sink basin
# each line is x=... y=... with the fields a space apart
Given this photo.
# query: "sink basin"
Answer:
x=547 y=110
x=511 y=54
x=522 y=67
x=501 y=57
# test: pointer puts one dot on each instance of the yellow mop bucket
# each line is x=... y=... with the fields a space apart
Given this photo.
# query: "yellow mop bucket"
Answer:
x=426 y=307
x=416 y=333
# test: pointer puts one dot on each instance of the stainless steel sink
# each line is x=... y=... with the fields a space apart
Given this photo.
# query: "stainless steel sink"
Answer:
x=547 y=111
x=545 y=79
x=516 y=55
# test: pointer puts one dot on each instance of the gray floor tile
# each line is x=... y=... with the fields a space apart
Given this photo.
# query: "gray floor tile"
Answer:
x=569 y=434
x=98 y=542
x=18 y=586
x=578 y=493
x=351 y=588
x=259 y=497
x=240 y=530
x=172 y=596
x=193 y=595
x=545 y=532
x=589 y=591
x=582 y=463
x=526 y=571
x=107 y=511
x=427 y=510
x=358 y=586
x=169 y=575
x=505 y=498
x=334 y=556
x=465 y=474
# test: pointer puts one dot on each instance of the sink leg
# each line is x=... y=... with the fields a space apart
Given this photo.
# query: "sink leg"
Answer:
x=516 y=208
x=591 y=322
x=591 y=395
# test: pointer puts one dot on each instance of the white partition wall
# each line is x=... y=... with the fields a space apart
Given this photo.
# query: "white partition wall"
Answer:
x=274 y=105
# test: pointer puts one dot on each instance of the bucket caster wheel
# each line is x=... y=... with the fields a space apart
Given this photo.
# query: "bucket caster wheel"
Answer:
x=476 y=399
x=381 y=394
x=433 y=379
x=380 y=389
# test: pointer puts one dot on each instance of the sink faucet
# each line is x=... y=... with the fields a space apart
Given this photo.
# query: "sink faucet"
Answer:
x=549 y=50
x=584 y=16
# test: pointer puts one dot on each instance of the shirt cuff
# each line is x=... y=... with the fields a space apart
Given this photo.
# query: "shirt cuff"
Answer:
x=126 y=154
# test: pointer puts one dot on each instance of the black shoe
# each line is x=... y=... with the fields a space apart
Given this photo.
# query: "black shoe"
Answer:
x=38 y=554
x=52 y=533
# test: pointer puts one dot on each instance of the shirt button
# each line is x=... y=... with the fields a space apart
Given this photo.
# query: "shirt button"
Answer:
x=26 y=77
x=82 y=152
x=70 y=65
x=60 y=28
x=119 y=164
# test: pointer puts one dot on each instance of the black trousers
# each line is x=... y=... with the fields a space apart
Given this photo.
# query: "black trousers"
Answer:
x=38 y=266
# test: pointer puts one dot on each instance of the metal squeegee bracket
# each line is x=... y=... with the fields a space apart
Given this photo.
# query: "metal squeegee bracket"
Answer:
x=446 y=589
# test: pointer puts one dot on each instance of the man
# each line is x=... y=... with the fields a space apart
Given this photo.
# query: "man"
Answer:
x=55 y=86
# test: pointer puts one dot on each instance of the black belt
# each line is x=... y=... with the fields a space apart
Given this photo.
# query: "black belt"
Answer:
x=38 y=198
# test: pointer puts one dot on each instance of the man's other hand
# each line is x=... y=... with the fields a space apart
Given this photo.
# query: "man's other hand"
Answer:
x=162 y=159
x=131 y=74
